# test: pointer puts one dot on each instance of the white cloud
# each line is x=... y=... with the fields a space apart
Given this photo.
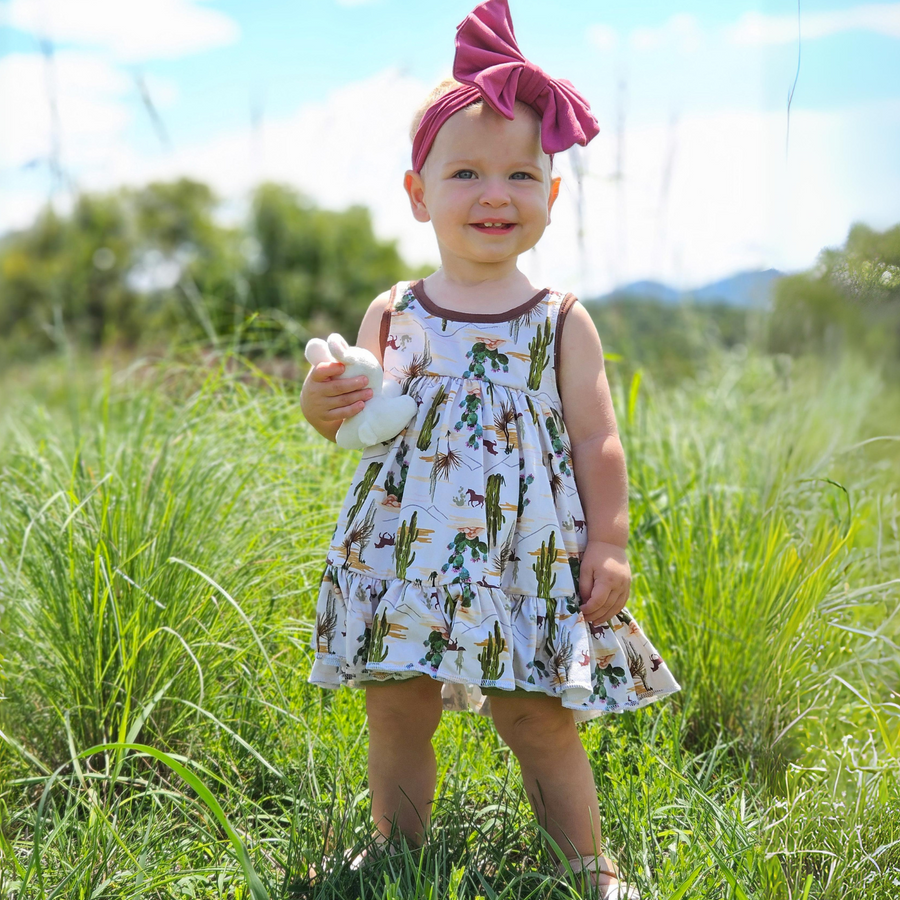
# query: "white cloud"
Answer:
x=733 y=201
x=131 y=30
x=352 y=148
x=18 y=208
x=163 y=91
x=87 y=92
x=684 y=32
x=681 y=30
x=603 y=37
x=755 y=28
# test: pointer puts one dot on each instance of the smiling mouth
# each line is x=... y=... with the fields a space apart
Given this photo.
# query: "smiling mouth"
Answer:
x=494 y=227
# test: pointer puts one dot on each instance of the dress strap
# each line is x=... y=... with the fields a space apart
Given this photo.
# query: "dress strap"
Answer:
x=564 y=308
x=385 y=331
x=386 y=321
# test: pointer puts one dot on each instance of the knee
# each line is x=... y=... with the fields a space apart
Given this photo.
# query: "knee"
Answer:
x=406 y=710
x=531 y=727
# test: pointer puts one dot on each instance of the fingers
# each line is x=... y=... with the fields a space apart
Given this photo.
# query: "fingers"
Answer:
x=603 y=607
x=593 y=587
x=330 y=373
x=585 y=584
x=353 y=396
x=332 y=385
x=597 y=601
x=615 y=604
x=326 y=377
x=343 y=386
x=607 y=598
x=326 y=397
x=346 y=412
x=324 y=371
x=604 y=582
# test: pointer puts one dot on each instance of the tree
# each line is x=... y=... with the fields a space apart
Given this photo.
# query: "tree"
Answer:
x=77 y=271
x=320 y=267
x=151 y=263
x=851 y=298
x=65 y=270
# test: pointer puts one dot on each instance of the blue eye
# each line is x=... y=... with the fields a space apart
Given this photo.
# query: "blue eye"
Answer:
x=520 y=173
x=462 y=173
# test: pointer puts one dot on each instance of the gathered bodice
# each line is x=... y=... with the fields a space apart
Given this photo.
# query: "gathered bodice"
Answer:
x=516 y=349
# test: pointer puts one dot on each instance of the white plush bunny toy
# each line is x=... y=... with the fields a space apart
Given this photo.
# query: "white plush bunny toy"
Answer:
x=385 y=414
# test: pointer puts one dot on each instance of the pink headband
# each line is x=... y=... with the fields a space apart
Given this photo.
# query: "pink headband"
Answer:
x=490 y=67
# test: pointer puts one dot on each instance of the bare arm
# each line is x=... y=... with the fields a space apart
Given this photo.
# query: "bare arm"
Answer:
x=325 y=400
x=599 y=464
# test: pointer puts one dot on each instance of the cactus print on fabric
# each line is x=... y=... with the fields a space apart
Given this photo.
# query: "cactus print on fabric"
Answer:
x=457 y=549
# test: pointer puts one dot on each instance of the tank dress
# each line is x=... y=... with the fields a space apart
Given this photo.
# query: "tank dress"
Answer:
x=457 y=548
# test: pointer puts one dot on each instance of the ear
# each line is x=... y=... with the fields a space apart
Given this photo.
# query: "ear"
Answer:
x=338 y=346
x=554 y=193
x=415 y=188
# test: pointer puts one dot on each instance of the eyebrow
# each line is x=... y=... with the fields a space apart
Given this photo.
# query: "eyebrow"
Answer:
x=471 y=162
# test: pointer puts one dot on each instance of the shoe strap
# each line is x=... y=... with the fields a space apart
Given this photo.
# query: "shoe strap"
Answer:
x=602 y=864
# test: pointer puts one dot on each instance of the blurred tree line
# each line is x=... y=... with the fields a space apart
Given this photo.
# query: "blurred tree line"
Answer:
x=671 y=339
x=154 y=265
x=848 y=301
x=137 y=266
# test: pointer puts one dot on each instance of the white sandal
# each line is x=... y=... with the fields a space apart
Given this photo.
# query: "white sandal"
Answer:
x=605 y=866
x=380 y=848
x=365 y=857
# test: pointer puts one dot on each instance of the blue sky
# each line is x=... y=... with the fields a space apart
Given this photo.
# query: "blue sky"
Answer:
x=272 y=89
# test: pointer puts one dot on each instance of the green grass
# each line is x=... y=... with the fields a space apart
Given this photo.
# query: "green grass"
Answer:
x=162 y=529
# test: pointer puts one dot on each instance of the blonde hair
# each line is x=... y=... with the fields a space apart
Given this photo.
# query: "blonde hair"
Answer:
x=447 y=85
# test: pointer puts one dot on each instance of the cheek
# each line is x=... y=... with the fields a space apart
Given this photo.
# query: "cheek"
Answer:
x=538 y=206
x=455 y=203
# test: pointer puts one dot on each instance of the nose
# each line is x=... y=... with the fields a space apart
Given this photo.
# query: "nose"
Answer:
x=494 y=192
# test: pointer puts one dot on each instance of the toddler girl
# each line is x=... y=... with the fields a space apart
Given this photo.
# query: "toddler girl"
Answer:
x=479 y=558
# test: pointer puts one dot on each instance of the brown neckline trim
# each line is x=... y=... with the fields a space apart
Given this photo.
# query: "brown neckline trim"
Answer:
x=456 y=315
x=564 y=308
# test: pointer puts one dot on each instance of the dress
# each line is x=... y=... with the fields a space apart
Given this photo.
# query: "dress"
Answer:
x=457 y=548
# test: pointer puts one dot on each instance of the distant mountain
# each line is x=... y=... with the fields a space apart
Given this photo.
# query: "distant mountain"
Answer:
x=741 y=289
x=656 y=290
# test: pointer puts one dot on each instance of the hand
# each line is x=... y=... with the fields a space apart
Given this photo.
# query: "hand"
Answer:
x=328 y=398
x=604 y=582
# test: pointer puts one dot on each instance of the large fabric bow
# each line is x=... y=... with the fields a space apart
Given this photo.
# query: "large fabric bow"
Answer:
x=490 y=66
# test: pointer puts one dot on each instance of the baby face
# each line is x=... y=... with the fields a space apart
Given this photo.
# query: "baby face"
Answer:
x=485 y=187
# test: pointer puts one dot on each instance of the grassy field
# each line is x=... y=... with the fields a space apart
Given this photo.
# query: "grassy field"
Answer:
x=162 y=529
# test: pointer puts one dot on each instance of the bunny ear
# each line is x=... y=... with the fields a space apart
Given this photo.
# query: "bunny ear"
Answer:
x=317 y=351
x=337 y=345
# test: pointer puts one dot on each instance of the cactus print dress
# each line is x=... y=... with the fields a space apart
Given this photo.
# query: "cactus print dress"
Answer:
x=456 y=552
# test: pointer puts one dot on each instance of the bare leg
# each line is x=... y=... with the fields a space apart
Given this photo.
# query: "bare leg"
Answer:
x=555 y=770
x=403 y=717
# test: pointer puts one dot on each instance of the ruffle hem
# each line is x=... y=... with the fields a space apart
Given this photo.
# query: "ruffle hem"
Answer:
x=371 y=629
